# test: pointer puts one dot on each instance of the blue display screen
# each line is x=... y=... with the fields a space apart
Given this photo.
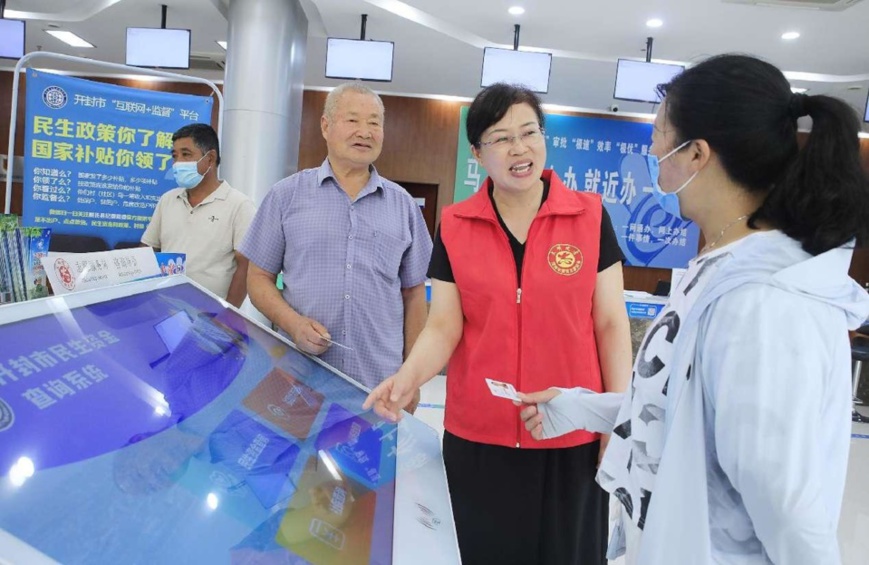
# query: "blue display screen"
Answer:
x=163 y=427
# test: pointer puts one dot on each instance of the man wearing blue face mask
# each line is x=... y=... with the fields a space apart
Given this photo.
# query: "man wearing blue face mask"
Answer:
x=204 y=217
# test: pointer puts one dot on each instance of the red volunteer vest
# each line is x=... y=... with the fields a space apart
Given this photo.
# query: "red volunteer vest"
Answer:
x=535 y=337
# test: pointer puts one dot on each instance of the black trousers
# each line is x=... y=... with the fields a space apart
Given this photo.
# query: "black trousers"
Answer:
x=526 y=506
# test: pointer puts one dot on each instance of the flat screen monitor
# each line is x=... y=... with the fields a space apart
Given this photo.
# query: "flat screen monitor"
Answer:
x=11 y=39
x=234 y=448
x=156 y=47
x=359 y=59
x=638 y=81
x=527 y=68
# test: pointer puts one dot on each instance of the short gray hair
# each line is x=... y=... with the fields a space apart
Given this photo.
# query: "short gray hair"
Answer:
x=355 y=86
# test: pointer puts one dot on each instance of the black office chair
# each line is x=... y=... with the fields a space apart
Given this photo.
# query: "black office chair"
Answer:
x=859 y=353
x=662 y=288
x=66 y=243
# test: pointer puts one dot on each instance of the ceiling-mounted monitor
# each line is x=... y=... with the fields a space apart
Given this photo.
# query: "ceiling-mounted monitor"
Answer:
x=158 y=47
x=638 y=81
x=359 y=59
x=11 y=39
x=528 y=68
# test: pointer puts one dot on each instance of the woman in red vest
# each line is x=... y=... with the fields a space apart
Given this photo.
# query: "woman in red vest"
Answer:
x=527 y=289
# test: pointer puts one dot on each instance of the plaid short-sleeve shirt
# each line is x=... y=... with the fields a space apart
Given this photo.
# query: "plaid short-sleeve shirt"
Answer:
x=345 y=262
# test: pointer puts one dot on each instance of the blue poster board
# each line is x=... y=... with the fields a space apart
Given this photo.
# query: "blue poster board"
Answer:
x=97 y=157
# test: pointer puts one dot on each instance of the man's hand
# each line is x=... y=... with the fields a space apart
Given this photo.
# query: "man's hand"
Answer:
x=308 y=335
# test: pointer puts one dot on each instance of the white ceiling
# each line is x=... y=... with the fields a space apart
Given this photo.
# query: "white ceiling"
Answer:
x=439 y=42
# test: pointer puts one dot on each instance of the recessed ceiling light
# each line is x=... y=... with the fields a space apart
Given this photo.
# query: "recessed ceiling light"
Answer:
x=798 y=90
x=69 y=38
x=516 y=11
x=790 y=35
x=655 y=22
x=222 y=44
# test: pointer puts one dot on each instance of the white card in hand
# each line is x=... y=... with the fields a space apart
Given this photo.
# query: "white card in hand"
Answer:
x=504 y=390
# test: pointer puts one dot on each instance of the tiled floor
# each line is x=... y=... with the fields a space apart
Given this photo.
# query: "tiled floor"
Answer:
x=854 y=521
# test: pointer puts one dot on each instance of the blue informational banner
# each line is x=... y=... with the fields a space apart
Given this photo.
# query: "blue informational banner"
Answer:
x=608 y=157
x=96 y=155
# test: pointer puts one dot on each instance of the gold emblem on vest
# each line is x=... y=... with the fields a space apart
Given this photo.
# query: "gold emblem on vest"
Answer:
x=565 y=259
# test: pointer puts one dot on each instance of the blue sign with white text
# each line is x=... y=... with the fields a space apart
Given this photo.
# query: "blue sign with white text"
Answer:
x=607 y=157
x=644 y=310
x=96 y=155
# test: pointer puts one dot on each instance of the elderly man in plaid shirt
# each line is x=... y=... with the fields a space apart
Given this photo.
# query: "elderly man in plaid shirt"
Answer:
x=353 y=248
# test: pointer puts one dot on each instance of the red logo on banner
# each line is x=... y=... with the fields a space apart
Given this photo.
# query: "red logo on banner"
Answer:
x=61 y=267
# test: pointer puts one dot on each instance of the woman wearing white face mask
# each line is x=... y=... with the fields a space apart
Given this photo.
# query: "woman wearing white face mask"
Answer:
x=731 y=445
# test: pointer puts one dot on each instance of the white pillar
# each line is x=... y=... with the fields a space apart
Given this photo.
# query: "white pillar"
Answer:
x=265 y=70
x=262 y=116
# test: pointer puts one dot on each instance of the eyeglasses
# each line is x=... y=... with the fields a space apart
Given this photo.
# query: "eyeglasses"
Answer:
x=528 y=138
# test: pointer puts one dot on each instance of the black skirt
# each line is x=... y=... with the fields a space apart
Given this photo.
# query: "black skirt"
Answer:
x=526 y=506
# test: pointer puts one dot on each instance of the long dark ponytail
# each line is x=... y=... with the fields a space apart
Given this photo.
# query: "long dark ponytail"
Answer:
x=744 y=108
